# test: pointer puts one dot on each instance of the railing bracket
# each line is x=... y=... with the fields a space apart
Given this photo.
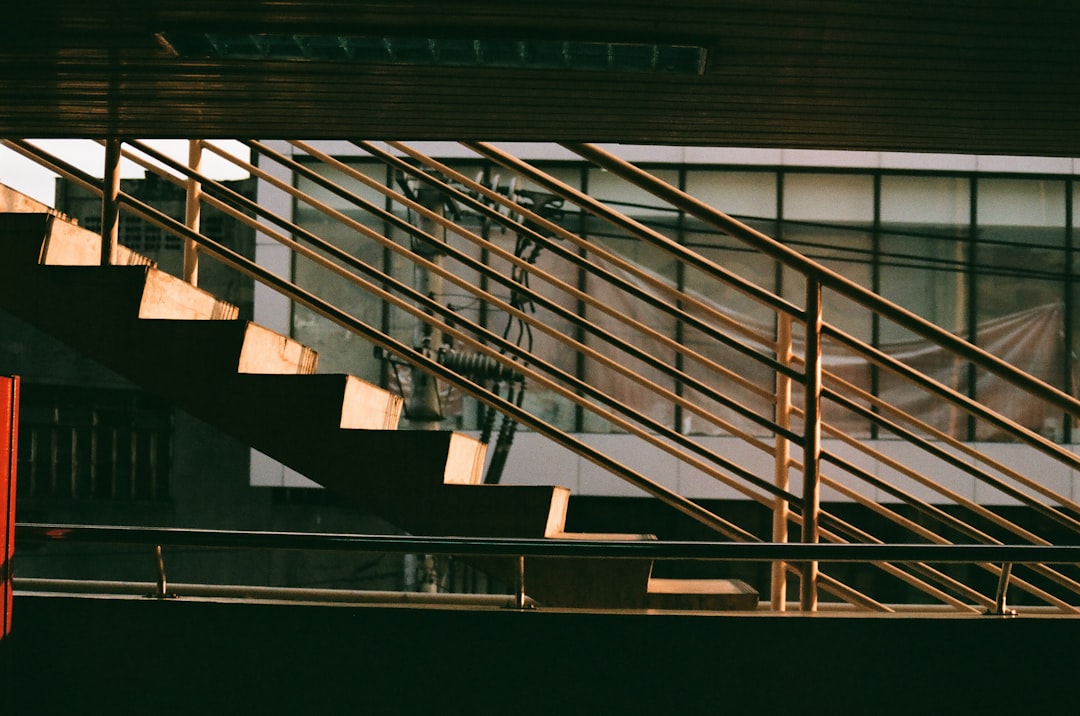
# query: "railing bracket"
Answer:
x=1000 y=609
x=162 y=591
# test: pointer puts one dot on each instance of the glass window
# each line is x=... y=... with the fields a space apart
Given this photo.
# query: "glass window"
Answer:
x=749 y=197
x=1019 y=290
x=829 y=218
x=923 y=250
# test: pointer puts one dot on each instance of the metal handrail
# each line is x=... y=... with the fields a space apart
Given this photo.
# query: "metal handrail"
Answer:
x=487 y=335
x=452 y=326
x=145 y=212
x=531 y=218
x=965 y=403
x=816 y=276
x=535 y=296
x=688 y=550
x=349 y=322
x=828 y=278
x=348 y=195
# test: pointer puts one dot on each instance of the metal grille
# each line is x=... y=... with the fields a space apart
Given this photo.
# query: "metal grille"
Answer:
x=87 y=444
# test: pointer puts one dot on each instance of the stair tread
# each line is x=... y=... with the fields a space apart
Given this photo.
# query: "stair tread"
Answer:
x=666 y=585
x=701 y=594
x=604 y=536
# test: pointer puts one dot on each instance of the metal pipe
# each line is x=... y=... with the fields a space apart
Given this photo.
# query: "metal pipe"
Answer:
x=519 y=595
x=539 y=298
x=829 y=279
x=162 y=584
x=110 y=204
x=782 y=458
x=943 y=455
x=811 y=492
x=654 y=428
x=256 y=592
x=625 y=223
x=1000 y=609
x=321 y=307
x=905 y=576
x=192 y=213
x=529 y=219
x=1033 y=439
x=944 y=438
x=349 y=322
x=578 y=385
x=541 y=547
x=954 y=523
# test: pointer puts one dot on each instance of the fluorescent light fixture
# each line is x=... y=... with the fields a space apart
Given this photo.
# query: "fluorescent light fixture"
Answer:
x=442 y=52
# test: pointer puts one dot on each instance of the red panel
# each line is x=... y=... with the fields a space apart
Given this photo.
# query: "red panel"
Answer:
x=9 y=439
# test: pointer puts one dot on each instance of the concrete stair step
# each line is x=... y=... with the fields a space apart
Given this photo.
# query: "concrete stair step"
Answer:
x=701 y=594
x=47 y=238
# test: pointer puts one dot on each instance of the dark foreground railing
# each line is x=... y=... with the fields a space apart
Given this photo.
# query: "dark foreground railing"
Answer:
x=157 y=538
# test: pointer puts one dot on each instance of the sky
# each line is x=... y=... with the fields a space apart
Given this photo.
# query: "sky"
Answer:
x=22 y=174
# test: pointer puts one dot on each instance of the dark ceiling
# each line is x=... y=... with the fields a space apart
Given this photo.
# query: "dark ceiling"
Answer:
x=971 y=76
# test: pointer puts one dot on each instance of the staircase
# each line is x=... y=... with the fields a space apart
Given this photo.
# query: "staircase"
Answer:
x=183 y=344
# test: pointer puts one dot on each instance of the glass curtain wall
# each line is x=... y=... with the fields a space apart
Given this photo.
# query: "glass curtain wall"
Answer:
x=922 y=261
x=989 y=258
x=1020 y=259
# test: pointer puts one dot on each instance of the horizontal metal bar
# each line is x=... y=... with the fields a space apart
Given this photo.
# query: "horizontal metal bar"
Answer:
x=829 y=279
x=596 y=251
x=249 y=592
x=625 y=223
x=499 y=546
x=954 y=397
x=349 y=322
x=452 y=326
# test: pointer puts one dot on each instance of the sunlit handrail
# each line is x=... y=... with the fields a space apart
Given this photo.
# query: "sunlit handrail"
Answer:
x=828 y=278
x=972 y=407
x=454 y=323
x=944 y=438
x=815 y=274
x=375 y=274
x=394 y=346
x=946 y=457
x=1043 y=444
x=636 y=228
x=764 y=297
x=535 y=296
x=347 y=195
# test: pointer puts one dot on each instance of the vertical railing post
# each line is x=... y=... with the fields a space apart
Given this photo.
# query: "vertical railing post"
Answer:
x=162 y=580
x=519 y=591
x=110 y=202
x=811 y=494
x=423 y=408
x=781 y=509
x=1001 y=608
x=192 y=212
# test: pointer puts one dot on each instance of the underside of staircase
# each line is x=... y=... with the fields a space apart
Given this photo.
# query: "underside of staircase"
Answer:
x=190 y=348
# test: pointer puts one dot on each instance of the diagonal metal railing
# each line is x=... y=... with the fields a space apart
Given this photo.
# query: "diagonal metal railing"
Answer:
x=623 y=348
